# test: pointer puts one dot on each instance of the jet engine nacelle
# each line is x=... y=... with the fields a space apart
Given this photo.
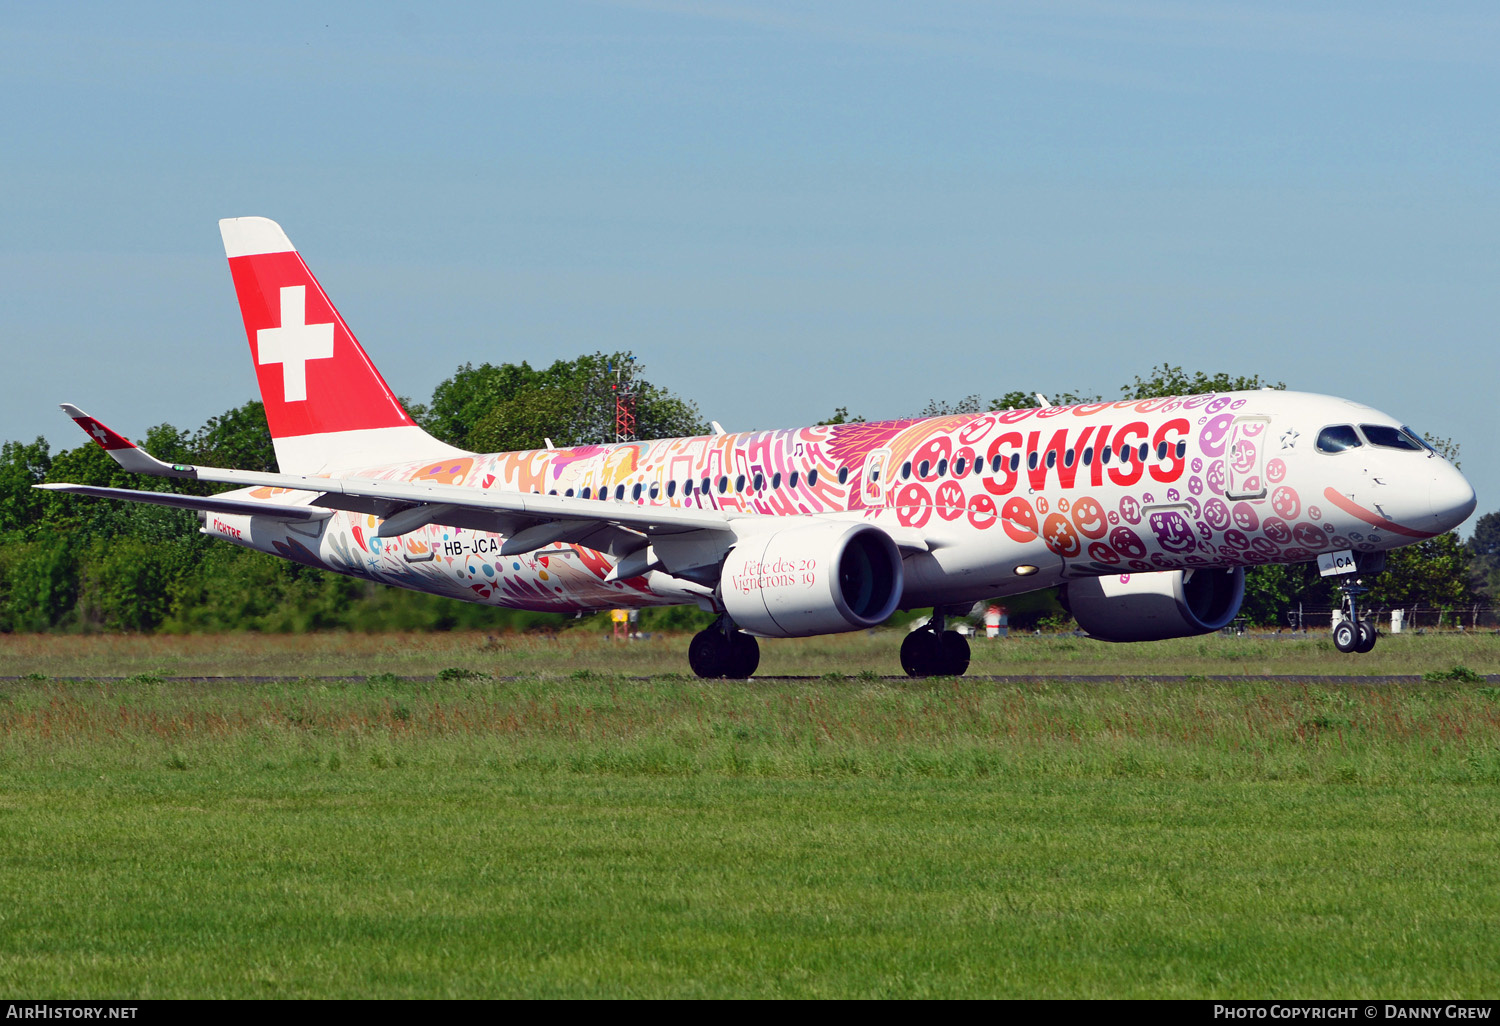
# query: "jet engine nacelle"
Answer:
x=1152 y=606
x=811 y=579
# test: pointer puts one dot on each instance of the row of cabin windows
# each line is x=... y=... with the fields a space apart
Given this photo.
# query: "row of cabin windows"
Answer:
x=1125 y=454
x=960 y=467
x=1341 y=437
x=707 y=486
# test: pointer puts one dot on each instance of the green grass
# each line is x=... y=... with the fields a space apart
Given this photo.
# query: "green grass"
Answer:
x=590 y=835
x=414 y=654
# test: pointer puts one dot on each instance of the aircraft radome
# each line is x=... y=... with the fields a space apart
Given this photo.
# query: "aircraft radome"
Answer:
x=1147 y=512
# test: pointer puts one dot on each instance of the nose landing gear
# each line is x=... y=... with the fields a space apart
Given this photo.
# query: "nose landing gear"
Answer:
x=931 y=651
x=1351 y=634
x=723 y=650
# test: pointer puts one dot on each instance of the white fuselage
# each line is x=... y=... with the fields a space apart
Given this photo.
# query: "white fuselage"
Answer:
x=1002 y=502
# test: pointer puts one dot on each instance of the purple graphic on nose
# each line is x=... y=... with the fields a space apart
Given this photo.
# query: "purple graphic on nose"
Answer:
x=1211 y=439
x=1173 y=532
x=1127 y=542
x=1310 y=535
x=1216 y=477
x=1285 y=502
x=1276 y=530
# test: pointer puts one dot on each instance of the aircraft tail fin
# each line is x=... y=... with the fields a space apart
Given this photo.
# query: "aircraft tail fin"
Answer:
x=328 y=407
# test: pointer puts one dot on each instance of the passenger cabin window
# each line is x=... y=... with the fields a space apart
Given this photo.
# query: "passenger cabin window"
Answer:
x=671 y=488
x=703 y=486
x=586 y=493
x=1031 y=461
x=1068 y=458
x=776 y=479
x=906 y=470
x=1104 y=454
x=723 y=483
x=1181 y=450
x=1015 y=461
x=792 y=481
x=635 y=493
x=995 y=464
x=843 y=475
x=1338 y=438
x=812 y=477
x=923 y=468
x=1145 y=451
x=739 y=484
x=959 y=466
x=1088 y=456
x=760 y=480
x=942 y=468
x=1389 y=438
x=619 y=492
x=569 y=493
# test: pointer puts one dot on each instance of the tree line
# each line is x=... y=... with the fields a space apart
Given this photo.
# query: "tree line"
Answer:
x=70 y=563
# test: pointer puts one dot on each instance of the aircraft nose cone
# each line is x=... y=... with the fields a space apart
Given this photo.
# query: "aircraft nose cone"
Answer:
x=1452 y=498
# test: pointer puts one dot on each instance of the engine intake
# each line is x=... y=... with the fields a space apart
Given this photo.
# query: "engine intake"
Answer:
x=1153 y=606
x=814 y=579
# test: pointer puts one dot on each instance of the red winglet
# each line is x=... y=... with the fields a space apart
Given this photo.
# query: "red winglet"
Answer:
x=100 y=433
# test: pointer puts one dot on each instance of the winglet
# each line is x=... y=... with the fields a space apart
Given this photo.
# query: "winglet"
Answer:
x=121 y=449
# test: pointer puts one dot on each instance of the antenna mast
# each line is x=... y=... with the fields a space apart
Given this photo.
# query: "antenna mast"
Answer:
x=624 y=390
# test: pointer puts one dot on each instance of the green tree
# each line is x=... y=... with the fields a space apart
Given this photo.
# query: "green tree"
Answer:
x=1484 y=556
x=1168 y=380
x=1434 y=572
x=499 y=409
x=238 y=438
x=841 y=416
x=21 y=467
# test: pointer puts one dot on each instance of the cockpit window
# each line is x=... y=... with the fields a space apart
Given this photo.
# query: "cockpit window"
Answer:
x=1389 y=438
x=1416 y=437
x=1338 y=438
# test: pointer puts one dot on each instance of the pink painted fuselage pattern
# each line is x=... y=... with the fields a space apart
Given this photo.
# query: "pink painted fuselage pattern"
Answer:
x=1003 y=502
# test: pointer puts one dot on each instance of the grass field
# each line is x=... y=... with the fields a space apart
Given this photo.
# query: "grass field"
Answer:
x=57 y=655
x=590 y=834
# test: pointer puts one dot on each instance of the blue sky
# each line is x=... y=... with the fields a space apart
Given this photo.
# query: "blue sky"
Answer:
x=781 y=208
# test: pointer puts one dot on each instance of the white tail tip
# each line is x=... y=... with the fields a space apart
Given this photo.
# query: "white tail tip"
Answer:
x=249 y=236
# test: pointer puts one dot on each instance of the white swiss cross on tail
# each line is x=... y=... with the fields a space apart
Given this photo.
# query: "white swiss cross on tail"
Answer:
x=294 y=343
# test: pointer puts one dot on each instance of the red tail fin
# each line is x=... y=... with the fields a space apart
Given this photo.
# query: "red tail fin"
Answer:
x=327 y=405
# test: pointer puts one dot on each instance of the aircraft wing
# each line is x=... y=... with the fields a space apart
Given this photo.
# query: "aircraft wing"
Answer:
x=528 y=520
x=639 y=537
x=207 y=503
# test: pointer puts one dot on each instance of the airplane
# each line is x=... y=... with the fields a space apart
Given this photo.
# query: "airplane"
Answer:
x=1145 y=512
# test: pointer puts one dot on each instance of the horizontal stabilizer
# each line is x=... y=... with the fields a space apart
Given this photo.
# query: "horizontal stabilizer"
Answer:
x=205 y=503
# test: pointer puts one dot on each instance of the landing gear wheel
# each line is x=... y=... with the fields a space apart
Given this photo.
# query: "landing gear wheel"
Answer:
x=715 y=654
x=744 y=656
x=955 y=654
x=921 y=654
x=707 y=653
x=1346 y=636
x=1367 y=636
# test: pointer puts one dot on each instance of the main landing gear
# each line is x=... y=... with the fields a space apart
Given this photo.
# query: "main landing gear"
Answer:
x=1351 y=634
x=931 y=651
x=723 y=650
